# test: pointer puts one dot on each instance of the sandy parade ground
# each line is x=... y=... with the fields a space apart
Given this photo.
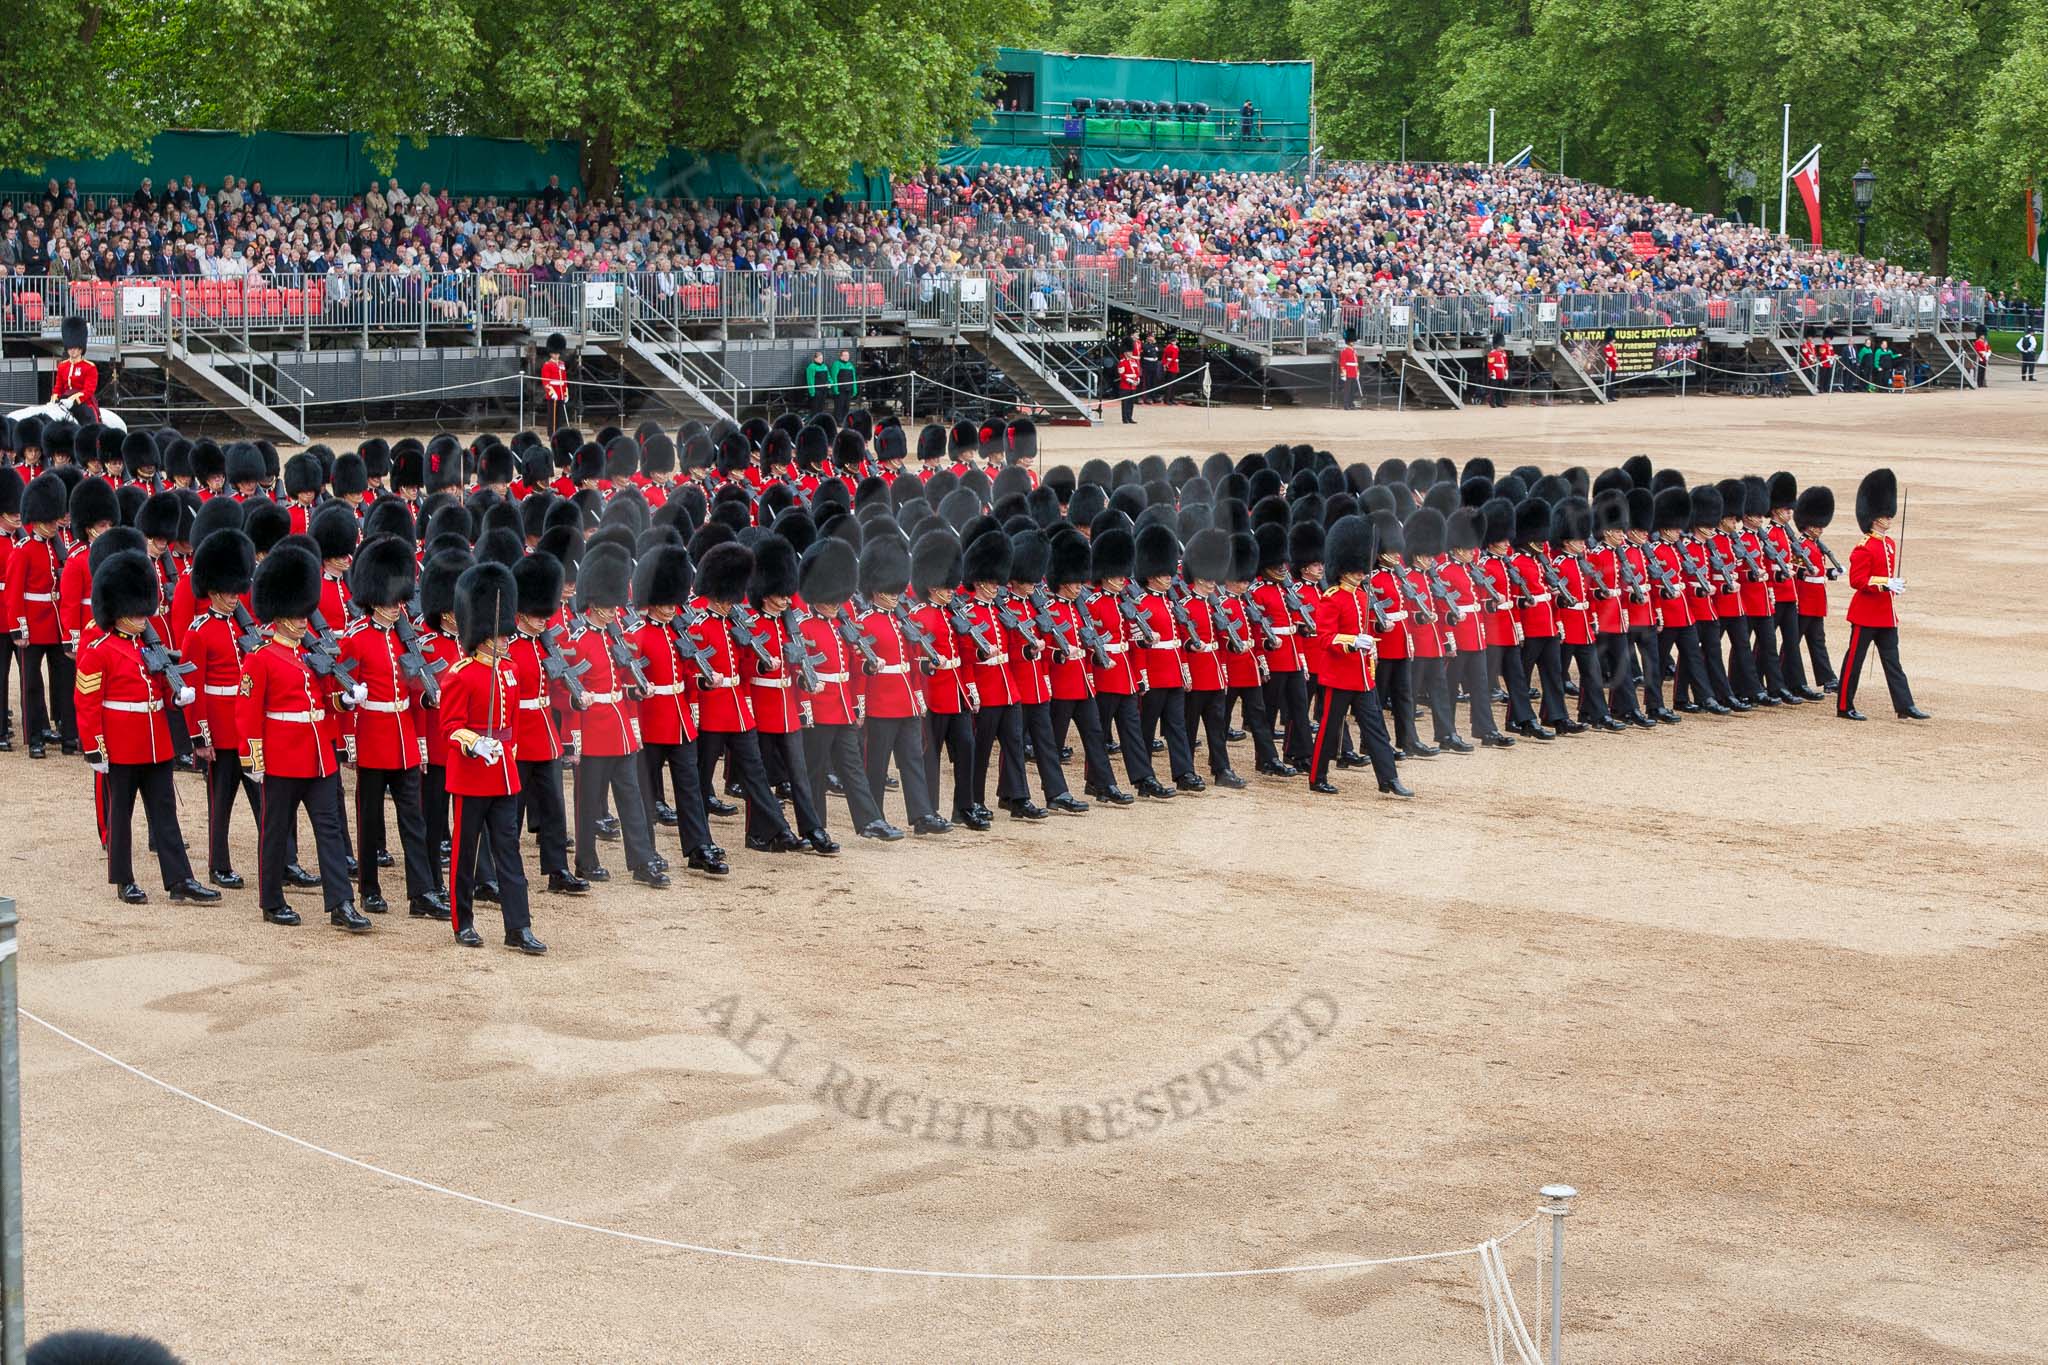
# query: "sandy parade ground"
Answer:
x=1769 y=990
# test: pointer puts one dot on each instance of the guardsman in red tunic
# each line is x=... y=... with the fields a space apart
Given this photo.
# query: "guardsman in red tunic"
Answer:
x=896 y=705
x=437 y=641
x=978 y=636
x=1815 y=509
x=780 y=714
x=538 y=742
x=281 y=713
x=1536 y=611
x=1130 y=372
x=1119 y=680
x=1610 y=362
x=554 y=382
x=1347 y=369
x=1507 y=598
x=1161 y=654
x=77 y=381
x=608 y=730
x=1071 y=664
x=1700 y=584
x=1614 y=596
x=1169 y=369
x=125 y=700
x=1467 y=580
x=725 y=707
x=1497 y=375
x=1645 y=639
x=951 y=697
x=1981 y=349
x=1023 y=613
x=1286 y=659
x=1671 y=513
x=388 y=744
x=1246 y=636
x=832 y=742
x=1206 y=707
x=222 y=567
x=477 y=728
x=1873 y=618
x=12 y=486
x=1719 y=507
x=1789 y=565
x=95 y=510
x=1344 y=621
x=30 y=608
x=1758 y=606
x=1393 y=633
x=669 y=713
x=1571 y=534
x=1435 y=642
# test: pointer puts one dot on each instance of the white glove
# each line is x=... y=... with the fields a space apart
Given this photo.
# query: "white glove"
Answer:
x=98 y=765
x=358 y=694
x=254 y=775
x=487 y=749
x=186 y=696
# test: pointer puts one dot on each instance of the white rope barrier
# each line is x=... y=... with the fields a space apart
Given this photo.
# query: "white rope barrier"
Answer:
x=1479 y=1250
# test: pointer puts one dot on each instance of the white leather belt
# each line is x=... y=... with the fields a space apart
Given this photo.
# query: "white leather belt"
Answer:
x=664 y=689
x=1397 y=616
x=533 y=703
x=1124 y=648
x=1283 y=630
x=720 y=680
x=389 y=708
x=1811 y=579
x=296 y=717
x=39 y=597
x=771 y=682
x=1537 y=598
x=891 y=670
x=1197 y=647
x=217 y=690
x=609 y=698
x=945 y=664
x=1164 y=642
x=832 y=677
x=992 y=660
x=141 y=708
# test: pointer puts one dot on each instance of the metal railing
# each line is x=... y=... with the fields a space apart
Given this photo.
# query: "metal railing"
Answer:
x=262 y=313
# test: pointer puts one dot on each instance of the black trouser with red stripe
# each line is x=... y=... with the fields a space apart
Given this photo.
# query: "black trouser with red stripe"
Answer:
x=1720 y=687
x=597 y=775
x=152 y=782
x=1396 y=689
x=1763 y=648
x=279 y=814
x=1045 y=748
x=487 y=849
x=7 y=648
x=1338 y=703
x=1258 y=722
x=1648 y=648
x=1543 y=656
x=1886 y=638
x=403 y=784
x=224 y=778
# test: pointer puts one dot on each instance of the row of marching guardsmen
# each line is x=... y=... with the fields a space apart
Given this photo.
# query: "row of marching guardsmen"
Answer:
x=850 y=639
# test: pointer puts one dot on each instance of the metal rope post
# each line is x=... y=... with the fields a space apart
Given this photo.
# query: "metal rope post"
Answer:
x=13 y=1332
x=1559 y=1207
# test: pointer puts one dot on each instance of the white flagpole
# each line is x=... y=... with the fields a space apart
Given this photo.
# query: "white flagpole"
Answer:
x=1784 y=168
x=1489 y=137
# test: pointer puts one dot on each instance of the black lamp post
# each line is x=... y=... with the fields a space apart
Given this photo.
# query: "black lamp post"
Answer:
x=1865 y=184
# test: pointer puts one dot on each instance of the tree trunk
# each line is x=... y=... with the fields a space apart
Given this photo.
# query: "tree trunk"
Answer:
x=1939 y=227
x=599 y=166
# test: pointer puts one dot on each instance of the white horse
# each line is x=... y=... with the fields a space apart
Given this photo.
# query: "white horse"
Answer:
x=66 y=411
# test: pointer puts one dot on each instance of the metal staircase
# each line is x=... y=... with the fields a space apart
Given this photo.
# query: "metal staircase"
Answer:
x=230 y=382
x=1572 y=376
x=673 y=366
x=1025 y=364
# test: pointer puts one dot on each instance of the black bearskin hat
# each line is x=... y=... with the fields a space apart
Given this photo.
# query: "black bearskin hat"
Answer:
x=286 y=585
x=46 y=499
x=1156 y=552
x=1610 y=511
x=1386 y=531
x=1877 y=496
x=1641 y=509
x=494 y=465
x=1571 y=519
x=1816 y=508
x=437 y=582
x=350 y=476
x=1023 y=440
x=1067 y=559
x=884 y=565
x=92 y=502
x=829 y=572
x=303 y=474
x=1111 y=554
x=1499 y=516
x=964 y=440
x=383 y=573
x=1532 y=520
x=663 y=577
x=335 y=530
x=1707 y=506
x=1348 y=548
x=125 y=584
x=538 y=579
x=1756 y=497
x=138 y=453
x=1673 y=509
x=775 y=570
x=1030 y=554
x=486 y=599
x=606 y=579
x=1465 y=529
x=1783 y=490
x=1244 y=557
x=1305 y=544
x=986 y=559
x=1425 y=531
x=1207 y=555
x=723 y=575
x=935 y=561
x=161 y=516
x=224 y=561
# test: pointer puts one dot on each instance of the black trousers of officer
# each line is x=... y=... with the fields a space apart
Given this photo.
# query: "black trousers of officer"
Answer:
x=900 y=738
x=949 y=739
x=152 y=782
x=1618 y=666
x=2026 y=367
x=1814 y=630
x=782 y=758
x=1287 y=698
x=679 y=761
x=1045 y=748
x=1339 y=703
x=279 y=813
x=1504 y=662
x=836 y=749
x=487 y=850
x=1085 y=715
x=404 y=786
x=1163 y=712
x=7 y=648
x=38 y=713
x=1475 y=672
x=1684 y=643
x=1785 y=622
x=1886 y=638
x=1433 y=686
x=1121 y=711
x=1592 y=682
x=434 y=811
x=1763 y=647
x=541 y=806
x=224 y=779
x=1207 y=715
x=741 y=750
x=1543 y=656
x=618 y=774
x=1130 y=405
x=1004 y=723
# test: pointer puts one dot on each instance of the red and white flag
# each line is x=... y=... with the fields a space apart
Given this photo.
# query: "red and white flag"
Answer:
x=1806 y=177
